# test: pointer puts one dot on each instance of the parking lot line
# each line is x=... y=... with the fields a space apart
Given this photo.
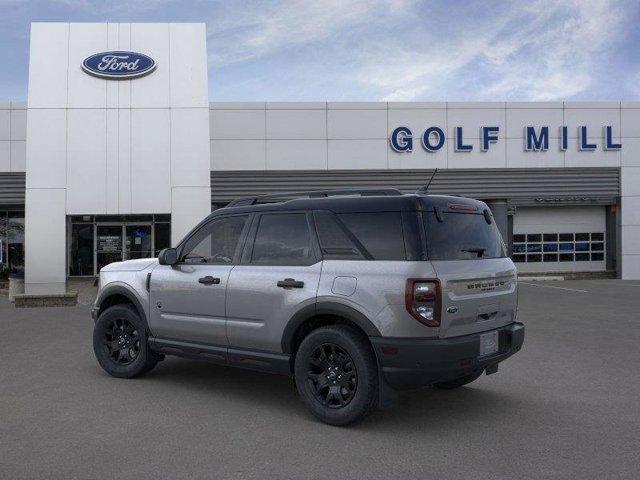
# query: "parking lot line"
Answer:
x=557 y=288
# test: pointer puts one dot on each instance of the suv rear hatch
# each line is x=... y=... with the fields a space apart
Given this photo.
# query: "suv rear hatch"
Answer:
x=477 y=280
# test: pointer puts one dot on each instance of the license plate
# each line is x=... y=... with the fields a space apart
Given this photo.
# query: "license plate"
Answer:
x=488 y=343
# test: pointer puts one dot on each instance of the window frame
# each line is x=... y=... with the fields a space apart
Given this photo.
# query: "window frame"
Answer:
x=247 y=251
x=239 y=247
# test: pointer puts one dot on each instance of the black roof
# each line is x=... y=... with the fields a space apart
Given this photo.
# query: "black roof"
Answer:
x=356 y=202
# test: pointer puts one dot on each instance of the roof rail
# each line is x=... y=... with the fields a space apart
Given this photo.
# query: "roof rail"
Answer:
x=243 y=201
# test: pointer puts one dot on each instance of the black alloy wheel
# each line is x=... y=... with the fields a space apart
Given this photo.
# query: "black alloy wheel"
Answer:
x=336 y=374
x=332 y=375
x=122 y=341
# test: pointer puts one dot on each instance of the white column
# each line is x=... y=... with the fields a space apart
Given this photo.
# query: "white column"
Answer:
x=190 y=157
x=96 y=146
x=630 y=221
x=45 y=241
x=46 y=167
x=630 y=191
x=189 y=205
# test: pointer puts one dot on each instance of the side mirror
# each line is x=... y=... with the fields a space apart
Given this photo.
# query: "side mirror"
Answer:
x=168 y=256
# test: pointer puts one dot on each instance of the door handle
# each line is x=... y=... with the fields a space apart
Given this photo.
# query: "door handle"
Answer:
x=290 y=283
x=209 y=280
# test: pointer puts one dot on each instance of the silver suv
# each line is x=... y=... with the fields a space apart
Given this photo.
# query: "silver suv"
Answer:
x=355 y=294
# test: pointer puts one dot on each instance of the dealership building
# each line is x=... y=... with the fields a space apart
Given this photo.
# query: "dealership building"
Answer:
x=118 y=152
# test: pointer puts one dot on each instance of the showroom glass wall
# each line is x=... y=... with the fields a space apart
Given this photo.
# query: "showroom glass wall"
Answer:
x=97 y=240
x=11 y=242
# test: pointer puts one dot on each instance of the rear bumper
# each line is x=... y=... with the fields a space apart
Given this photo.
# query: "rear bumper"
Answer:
x=413 y=362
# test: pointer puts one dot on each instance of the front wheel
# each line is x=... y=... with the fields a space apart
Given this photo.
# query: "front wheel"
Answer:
x=336 y=375
x=120 y=343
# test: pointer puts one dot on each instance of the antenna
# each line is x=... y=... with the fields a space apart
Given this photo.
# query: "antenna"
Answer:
x=425 y=189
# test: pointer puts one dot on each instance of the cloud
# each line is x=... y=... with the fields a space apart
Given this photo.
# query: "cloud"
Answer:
x=544 y=51
x=264 y=28
x=560 y=60
x=408 y=50
x=102 y=7
x=398 y=50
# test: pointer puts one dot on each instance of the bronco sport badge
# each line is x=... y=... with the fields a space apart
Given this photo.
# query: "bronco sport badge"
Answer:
x=487 y=285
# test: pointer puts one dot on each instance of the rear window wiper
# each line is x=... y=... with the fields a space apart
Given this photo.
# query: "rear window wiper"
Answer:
x=487 y=216
x=438 y=213
x=477 y=250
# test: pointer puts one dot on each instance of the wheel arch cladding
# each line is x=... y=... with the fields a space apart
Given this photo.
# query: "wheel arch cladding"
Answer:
x=119 y=295
x=324 y=313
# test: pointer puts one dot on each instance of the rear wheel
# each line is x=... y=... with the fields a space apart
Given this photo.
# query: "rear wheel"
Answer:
x=336 y=375
x=458 y=382
x=120 y=343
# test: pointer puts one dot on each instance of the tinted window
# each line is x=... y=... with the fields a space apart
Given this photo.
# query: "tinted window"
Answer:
x=413 y=236
x=379 y=233
x=283 y=240
x=335 y=240
x=216 y=242
x=462 y=236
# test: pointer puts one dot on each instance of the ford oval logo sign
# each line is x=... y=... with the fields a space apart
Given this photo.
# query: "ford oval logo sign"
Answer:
x=118 y=65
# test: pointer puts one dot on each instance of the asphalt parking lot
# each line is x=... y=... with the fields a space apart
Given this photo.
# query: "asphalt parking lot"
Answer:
x=567 y=406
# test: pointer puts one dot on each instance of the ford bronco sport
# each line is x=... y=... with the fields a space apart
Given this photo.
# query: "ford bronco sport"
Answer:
x=355 y=294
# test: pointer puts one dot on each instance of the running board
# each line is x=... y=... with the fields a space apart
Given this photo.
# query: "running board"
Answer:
x=221 y=355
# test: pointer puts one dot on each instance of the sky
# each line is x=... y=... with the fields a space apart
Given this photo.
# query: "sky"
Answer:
x=377 y=50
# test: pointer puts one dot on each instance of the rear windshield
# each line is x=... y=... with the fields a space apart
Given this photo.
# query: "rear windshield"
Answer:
x=462 y=236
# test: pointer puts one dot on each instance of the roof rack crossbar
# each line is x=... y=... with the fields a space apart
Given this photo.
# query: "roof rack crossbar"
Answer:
x=243 y=201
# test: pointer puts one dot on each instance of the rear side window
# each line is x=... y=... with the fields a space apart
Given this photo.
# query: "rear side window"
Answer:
x=336 y=242
x=379 y=233
x=283 y=239
x=462 y=236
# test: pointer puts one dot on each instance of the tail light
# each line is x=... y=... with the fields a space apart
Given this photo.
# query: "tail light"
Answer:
x=422 y=299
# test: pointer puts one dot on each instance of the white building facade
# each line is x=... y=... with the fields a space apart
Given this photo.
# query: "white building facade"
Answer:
x=103 y=169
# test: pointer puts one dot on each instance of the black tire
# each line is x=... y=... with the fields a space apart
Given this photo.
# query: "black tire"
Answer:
x=120 y=343
x=342 y=388
x=458 y=382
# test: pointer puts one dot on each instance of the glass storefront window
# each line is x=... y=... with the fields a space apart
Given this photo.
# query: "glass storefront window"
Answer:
x=163 y=237
x=15 y=242
x=138 y=241
x=81 y=252
x=82 y=219
x=107 y=239
x=109 y=245
x=138 y=218
x=4 y=266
